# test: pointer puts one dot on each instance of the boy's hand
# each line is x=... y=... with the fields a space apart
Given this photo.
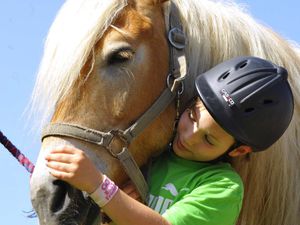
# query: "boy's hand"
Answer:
x=130 y=190
x=73 y=166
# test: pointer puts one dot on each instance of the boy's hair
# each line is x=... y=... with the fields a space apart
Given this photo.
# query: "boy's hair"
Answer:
x=250 y=98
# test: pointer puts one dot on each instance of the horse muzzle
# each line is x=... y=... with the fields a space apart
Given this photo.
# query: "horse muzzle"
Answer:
x=57 y=202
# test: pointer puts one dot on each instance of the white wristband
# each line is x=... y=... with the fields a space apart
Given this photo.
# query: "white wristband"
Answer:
x=105 y=192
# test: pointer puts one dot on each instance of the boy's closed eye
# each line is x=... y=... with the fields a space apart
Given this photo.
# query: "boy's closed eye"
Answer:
x=209 y=139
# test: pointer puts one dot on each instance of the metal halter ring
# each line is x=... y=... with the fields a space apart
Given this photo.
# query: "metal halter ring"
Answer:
x=177 y=38
x=119 y=136
x=170 y=76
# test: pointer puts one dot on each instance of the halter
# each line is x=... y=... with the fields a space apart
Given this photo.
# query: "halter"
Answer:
x=106 y=139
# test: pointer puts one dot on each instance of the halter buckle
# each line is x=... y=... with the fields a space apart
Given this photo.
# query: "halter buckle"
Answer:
x=173 y=83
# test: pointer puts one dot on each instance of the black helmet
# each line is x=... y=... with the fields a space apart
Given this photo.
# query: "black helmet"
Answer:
x=250 y=98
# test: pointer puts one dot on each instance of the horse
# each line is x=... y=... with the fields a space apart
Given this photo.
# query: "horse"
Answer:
x=106 y=62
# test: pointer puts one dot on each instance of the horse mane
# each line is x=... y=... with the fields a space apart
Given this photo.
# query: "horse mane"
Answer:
x=217 y=31
x=76 y=29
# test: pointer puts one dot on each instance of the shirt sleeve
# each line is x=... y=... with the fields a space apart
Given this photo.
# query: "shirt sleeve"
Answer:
x=217 y=201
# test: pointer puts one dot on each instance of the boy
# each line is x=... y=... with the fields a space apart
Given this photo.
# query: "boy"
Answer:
x=244 y=105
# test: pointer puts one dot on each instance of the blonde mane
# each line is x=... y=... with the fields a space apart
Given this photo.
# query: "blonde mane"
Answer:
x=217 y=31
x=71 y=38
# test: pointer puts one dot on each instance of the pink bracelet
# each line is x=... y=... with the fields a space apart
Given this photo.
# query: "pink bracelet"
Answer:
x=105 y=192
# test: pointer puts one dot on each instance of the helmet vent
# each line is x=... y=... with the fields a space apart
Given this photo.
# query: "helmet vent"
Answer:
x=249 y=110
x=243 y=64
x=225 y=75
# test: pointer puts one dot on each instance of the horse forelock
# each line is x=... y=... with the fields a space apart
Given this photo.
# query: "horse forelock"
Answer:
x=70 y=41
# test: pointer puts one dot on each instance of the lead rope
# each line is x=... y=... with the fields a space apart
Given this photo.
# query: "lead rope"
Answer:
x=23 y=160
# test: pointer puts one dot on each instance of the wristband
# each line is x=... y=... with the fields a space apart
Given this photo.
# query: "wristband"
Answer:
x=105 y=192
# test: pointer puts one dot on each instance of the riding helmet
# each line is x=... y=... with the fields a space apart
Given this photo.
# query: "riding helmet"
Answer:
x=250 y=98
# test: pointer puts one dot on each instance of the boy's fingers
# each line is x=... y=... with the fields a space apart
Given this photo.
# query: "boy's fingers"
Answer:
x=65 y=149
x=127 y=188
x=128 y=185
x=58 y=166
x=59 y=174
x=130 y=190
x=135 y=195
x=59 y=157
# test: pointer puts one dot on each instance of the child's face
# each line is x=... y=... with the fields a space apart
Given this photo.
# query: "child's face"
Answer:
x=199 y=137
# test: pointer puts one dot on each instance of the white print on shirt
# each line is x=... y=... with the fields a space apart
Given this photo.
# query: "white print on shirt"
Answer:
x=171 y=188
x=159 y=204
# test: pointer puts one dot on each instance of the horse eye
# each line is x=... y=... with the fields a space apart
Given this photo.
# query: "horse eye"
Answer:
x=120 y=56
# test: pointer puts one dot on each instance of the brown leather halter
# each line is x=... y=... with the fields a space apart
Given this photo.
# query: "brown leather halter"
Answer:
x=174 y=88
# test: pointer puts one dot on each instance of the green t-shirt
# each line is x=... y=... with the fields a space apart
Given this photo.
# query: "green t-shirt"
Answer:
x=194 y=193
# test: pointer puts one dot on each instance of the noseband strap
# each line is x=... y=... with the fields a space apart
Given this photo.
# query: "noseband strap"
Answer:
x=105 y=139
x=78 y=132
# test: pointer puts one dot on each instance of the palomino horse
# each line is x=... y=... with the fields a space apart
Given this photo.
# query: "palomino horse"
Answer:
x=105 y=63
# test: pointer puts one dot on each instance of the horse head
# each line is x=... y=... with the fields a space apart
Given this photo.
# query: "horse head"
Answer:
x=119 y=67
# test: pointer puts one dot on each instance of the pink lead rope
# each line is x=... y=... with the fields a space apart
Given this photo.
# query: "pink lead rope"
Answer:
x=16 y=153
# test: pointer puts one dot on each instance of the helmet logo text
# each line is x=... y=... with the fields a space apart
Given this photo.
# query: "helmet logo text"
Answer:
x=227 y=98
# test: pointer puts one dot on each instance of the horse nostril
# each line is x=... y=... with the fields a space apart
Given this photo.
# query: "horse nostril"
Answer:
x=59 y=196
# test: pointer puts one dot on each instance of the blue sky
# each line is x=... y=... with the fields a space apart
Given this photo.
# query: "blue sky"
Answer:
x=24 y=26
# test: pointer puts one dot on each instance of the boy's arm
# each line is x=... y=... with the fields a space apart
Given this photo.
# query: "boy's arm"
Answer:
x=73 y=166
x=124 y=210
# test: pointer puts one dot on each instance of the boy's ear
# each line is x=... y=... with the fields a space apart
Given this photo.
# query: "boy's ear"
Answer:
x=241 y=150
